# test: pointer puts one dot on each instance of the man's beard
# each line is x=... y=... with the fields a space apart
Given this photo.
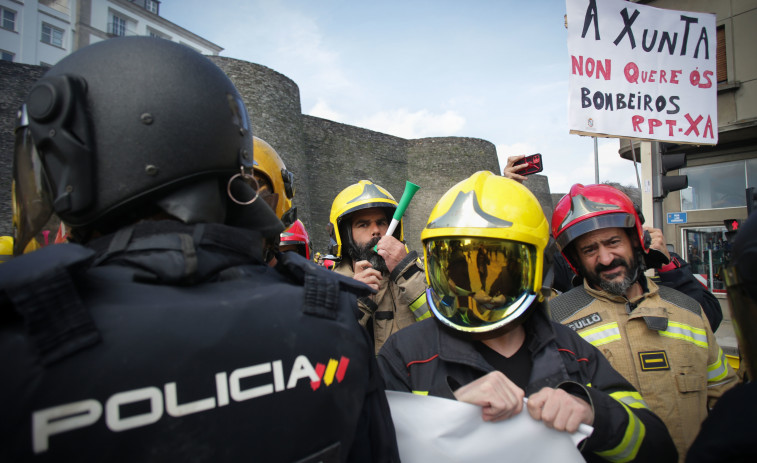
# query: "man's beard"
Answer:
x=632 y=271
x=366 y=252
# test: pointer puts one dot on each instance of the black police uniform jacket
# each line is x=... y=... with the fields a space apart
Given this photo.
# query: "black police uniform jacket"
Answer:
x=429 y=358
x=169 y=342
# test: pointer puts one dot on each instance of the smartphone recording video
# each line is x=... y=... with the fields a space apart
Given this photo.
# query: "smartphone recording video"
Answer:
x=533 y=162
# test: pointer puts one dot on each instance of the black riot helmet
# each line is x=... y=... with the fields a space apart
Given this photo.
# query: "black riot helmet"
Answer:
x=126 y=125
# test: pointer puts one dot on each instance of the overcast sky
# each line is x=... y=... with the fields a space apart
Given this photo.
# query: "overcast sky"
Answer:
x=496 y=70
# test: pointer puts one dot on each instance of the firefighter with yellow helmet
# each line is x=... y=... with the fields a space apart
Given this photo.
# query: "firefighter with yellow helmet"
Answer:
x=495 y=347
x=275 y=182
x=275 y=188
x=360 y=217
x=657 y=337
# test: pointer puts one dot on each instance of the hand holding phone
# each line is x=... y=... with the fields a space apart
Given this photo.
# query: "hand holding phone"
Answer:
x=519 y=166
x=533 y=164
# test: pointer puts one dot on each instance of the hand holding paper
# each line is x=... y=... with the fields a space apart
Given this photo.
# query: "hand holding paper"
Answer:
x=441 y=430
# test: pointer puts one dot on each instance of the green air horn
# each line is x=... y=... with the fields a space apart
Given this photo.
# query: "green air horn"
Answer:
x=410 y=190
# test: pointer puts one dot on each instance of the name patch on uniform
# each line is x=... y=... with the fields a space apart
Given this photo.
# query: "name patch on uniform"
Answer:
x=588 y=320
x=654 y=360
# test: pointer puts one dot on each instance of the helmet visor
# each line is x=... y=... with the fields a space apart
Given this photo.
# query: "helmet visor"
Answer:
x=479 y=285
x=32 y=206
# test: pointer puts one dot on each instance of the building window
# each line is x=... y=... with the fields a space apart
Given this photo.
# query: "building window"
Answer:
x=52 y=35
x=152 y=6
x=117 y=26
x=718 y=186
x=751 y=174
x=721 y=62
x=6 y=55
x=8 y=18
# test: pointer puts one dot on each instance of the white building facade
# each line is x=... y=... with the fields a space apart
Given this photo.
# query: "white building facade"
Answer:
x=41 y=32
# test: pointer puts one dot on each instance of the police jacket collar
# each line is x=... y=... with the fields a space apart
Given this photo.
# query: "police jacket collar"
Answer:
x=170 y=252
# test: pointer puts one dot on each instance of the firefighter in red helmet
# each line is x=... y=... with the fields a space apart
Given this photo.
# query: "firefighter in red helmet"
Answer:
x=296 y=238
x=657 y=337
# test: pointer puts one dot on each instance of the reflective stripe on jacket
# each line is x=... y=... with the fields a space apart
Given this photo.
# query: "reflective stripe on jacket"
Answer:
x=662 y=343
x=430 y=359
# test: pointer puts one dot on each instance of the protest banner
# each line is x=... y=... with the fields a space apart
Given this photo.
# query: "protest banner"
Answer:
x=641 y=72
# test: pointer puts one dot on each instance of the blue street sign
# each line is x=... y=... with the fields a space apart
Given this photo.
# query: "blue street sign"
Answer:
x=677 y=217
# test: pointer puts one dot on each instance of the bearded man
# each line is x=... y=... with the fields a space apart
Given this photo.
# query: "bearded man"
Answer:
x=359 y=220
x=659 y=339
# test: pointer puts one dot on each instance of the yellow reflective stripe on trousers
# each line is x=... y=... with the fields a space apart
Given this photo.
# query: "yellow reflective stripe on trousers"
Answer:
x=632 y=439
x=419 y=307
x=420 y=392
x=631 y=398
x=718 y=370
x=602 y=334
x=687 y=333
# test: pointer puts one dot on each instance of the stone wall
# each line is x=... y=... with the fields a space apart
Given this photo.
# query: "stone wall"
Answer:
x=15 y=82
x=325 y=156
x=340 y=155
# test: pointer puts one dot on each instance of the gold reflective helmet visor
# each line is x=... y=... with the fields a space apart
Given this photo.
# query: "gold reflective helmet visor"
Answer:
x=479 y=285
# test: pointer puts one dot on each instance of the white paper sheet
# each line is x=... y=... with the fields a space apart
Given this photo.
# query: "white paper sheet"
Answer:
x=433 y=429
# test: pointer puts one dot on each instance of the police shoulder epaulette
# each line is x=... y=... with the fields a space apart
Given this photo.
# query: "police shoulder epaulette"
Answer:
x=322 y=287
x=680 y=299
x=566 y=304
x=41 y=288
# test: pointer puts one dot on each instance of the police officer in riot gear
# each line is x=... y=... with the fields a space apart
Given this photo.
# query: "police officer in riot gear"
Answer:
x=162 y=335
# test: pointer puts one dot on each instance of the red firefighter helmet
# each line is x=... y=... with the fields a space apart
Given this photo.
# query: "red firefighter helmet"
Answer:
x=297 y=235
x=592 y=207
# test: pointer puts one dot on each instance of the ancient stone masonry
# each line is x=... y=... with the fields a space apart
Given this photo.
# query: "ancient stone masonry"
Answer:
x=15 y=82
x=325 y=156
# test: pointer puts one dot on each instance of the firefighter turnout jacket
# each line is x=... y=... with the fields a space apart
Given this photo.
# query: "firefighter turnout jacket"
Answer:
x=431 y=359
x=173 y=342
x=661 y=342
x=399 y=302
